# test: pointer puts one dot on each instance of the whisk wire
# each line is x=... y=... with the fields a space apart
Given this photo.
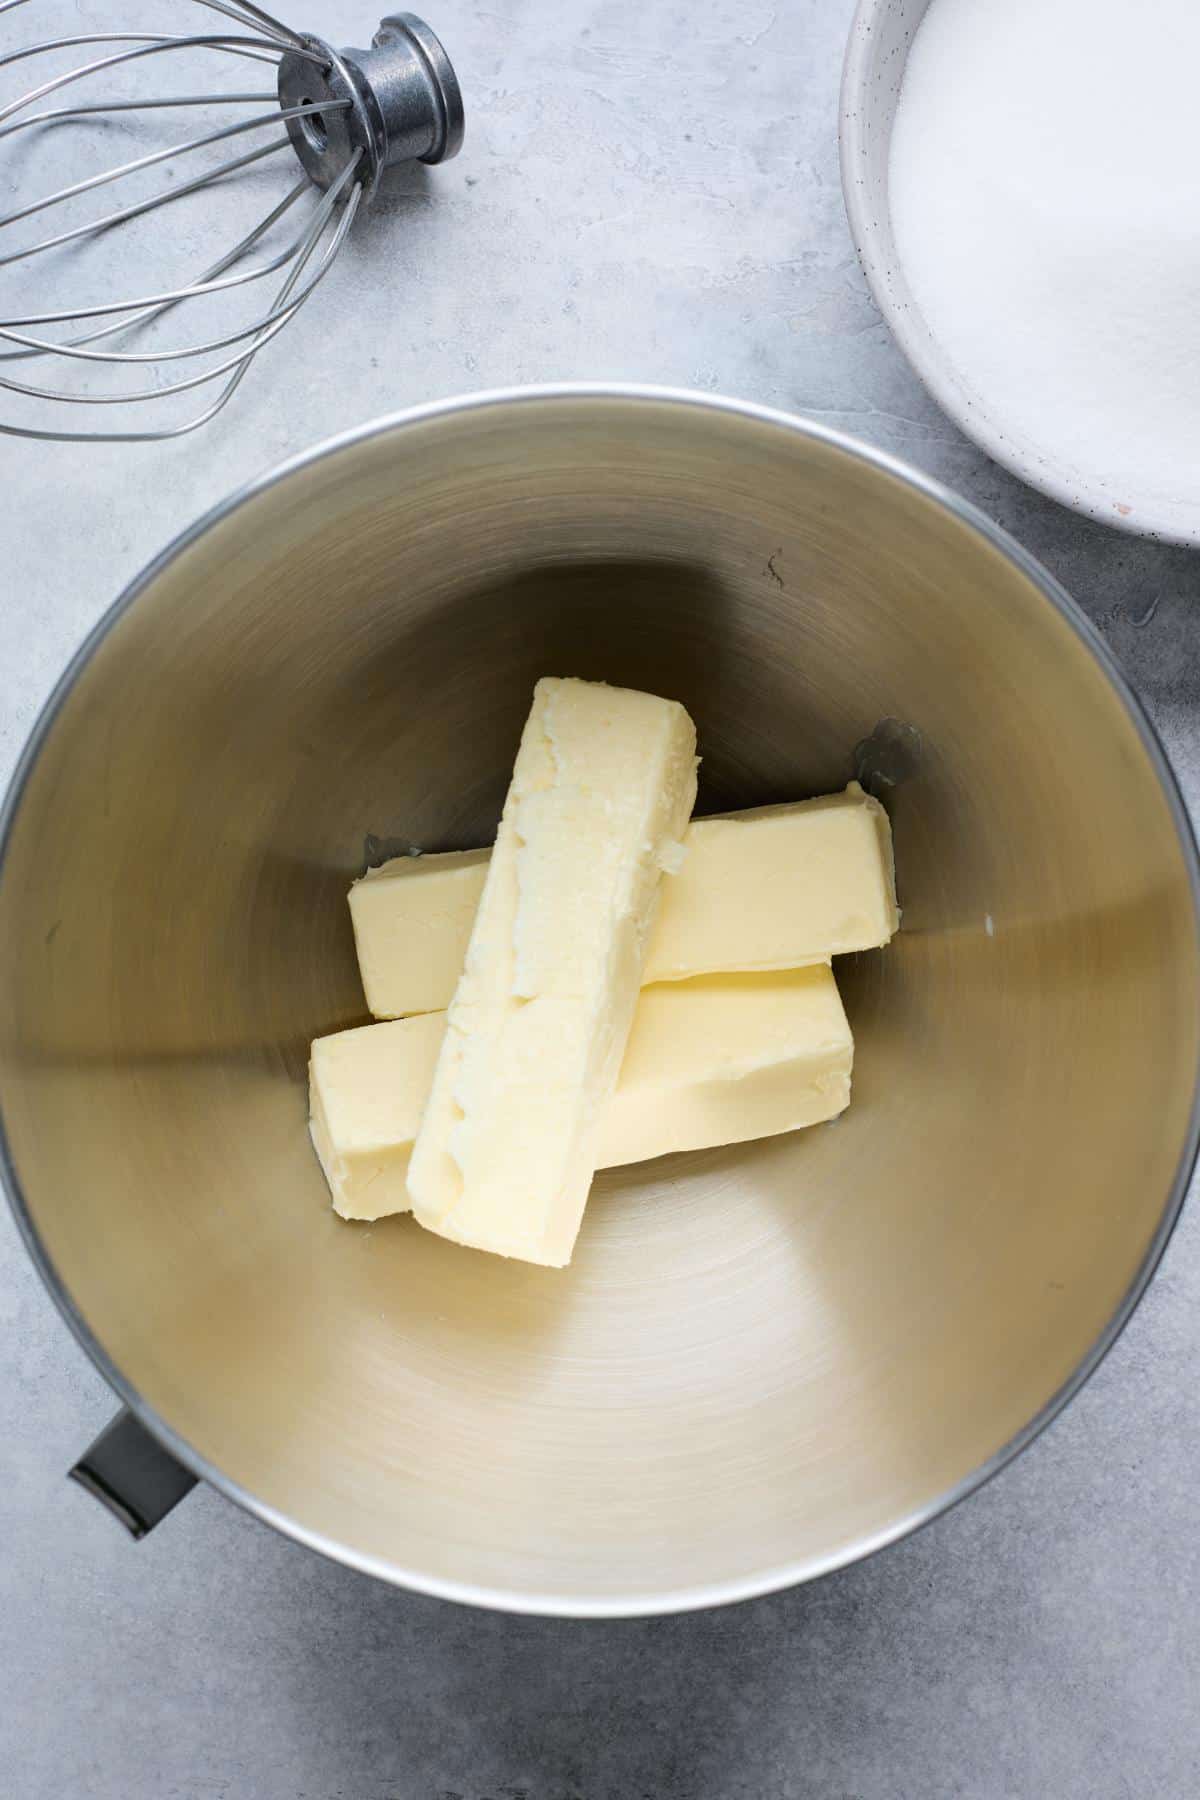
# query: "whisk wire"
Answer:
x=258 y=49
x=59 y=115
x=145 y=312
x=160 y=156
x=242 y=10
x=137 y=208
x=165 y=433
x=263 y=329
x=9 y=328
x=247 y=14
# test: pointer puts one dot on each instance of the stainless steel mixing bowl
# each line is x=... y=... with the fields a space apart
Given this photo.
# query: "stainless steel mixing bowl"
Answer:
x=765 y=1361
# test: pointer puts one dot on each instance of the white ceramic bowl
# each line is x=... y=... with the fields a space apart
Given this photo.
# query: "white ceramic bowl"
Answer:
x=880 y=39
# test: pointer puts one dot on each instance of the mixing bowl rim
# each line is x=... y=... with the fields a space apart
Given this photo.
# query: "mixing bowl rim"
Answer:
x=915 y=336
x=758 y=1582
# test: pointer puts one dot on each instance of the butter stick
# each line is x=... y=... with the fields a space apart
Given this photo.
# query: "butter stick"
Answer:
x=723 y=1058
x=367 y=1089
x=776 y=888
x=412 y=923
x=712 y=1061
x=602 y=789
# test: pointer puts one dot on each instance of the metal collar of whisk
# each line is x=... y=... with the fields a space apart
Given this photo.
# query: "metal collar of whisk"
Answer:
x=397 y=102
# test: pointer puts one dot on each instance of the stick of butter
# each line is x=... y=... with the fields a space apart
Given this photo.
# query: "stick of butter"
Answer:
x=711 y=1061
x=723 y=1058
x=367 y=1089
x=412 y=922
x=778 y=887
x=775 y=888
x=602 y=789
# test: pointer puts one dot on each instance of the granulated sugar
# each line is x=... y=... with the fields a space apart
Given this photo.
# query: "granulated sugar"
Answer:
x=1045 y=197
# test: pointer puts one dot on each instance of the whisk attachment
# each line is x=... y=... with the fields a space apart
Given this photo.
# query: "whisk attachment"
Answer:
x=397 y=102
x=347 y=115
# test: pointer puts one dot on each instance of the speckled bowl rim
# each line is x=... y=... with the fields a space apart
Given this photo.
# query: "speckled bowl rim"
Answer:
x=858 y=107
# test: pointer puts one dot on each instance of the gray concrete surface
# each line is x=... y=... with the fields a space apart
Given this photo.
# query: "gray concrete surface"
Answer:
x=648 y=191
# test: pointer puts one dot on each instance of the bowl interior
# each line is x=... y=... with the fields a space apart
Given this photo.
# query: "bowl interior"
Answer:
x=766 y=1359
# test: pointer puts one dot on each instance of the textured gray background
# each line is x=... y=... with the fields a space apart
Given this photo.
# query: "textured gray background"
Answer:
x=649 y=190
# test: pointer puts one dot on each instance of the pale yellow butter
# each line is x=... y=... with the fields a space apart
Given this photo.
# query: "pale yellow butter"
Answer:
x=776 y=888
x=412 y=922
x=602 y=789
x=711 y=1061
x=724 y=1058
x=367 y=1089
